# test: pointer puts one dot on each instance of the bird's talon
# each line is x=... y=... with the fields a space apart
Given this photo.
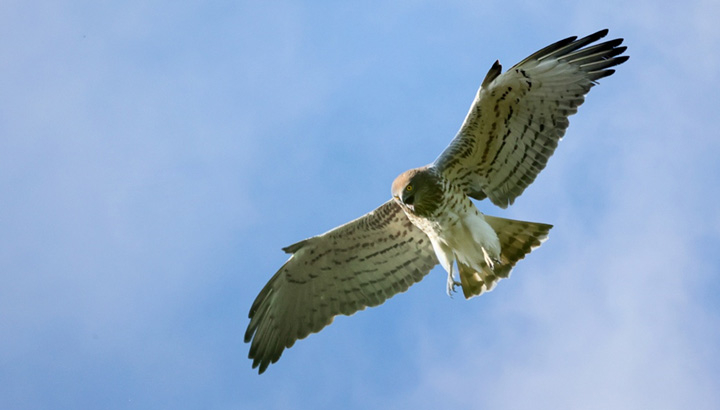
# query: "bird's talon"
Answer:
x=451 y=285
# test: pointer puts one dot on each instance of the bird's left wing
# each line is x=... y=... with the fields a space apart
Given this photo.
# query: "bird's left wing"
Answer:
x=353 y=266
x=519 y=116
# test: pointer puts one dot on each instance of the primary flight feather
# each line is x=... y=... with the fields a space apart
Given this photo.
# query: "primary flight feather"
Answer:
x=513 y=127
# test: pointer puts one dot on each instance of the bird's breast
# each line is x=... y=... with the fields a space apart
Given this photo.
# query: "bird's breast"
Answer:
x=458 y=230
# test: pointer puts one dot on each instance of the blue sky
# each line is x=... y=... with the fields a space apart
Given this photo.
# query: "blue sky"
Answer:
x=155 y=156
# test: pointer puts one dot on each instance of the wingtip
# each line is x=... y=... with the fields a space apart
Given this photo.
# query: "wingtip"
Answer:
x=250 y=331
x=294 y=247
x=493 y=73
x=259 y=366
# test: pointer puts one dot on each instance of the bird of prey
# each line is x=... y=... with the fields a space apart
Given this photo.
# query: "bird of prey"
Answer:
x=513 y=127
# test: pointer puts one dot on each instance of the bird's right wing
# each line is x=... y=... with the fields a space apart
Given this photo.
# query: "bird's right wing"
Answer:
x=353 y=266
x=519 y=116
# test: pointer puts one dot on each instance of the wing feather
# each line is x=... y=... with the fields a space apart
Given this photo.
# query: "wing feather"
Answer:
x=354 y=266
x=518 y=117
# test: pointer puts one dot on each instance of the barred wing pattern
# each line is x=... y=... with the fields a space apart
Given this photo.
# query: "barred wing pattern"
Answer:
x=349 y=268
x=518 y=117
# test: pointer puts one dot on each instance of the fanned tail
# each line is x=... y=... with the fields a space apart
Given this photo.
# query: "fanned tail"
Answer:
x=517 y=239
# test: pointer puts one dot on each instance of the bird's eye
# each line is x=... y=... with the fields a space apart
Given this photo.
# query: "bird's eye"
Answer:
x=409 y=188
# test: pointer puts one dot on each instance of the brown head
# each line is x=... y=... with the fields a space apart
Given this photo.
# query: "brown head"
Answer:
x=418 y=190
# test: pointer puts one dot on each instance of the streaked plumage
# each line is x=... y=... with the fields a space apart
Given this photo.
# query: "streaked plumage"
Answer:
x=512 y=128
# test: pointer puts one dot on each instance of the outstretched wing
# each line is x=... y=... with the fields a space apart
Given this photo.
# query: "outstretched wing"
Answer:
x=518 y=117
x=359 y=264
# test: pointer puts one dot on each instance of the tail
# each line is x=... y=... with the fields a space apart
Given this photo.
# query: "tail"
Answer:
x=517 y=239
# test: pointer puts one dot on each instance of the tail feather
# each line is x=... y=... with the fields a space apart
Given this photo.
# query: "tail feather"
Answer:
x=517 y=239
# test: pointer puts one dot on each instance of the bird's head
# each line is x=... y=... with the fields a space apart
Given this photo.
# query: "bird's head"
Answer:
x=418 y=191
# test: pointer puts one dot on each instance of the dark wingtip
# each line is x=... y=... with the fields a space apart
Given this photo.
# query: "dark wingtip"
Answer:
x=622 y=59
x=492 y=74
x=295 y=247
x=249 y=334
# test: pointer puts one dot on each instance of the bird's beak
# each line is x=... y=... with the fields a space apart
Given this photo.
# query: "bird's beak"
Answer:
x=397 y=198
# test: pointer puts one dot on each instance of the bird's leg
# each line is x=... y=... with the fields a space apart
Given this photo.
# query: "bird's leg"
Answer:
x=451 y=282
x=490 y=261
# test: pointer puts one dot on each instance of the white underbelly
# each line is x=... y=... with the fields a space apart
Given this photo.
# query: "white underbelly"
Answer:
x=464 y=236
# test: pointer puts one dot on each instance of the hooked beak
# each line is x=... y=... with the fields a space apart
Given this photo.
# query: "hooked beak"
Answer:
x=403 y=204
